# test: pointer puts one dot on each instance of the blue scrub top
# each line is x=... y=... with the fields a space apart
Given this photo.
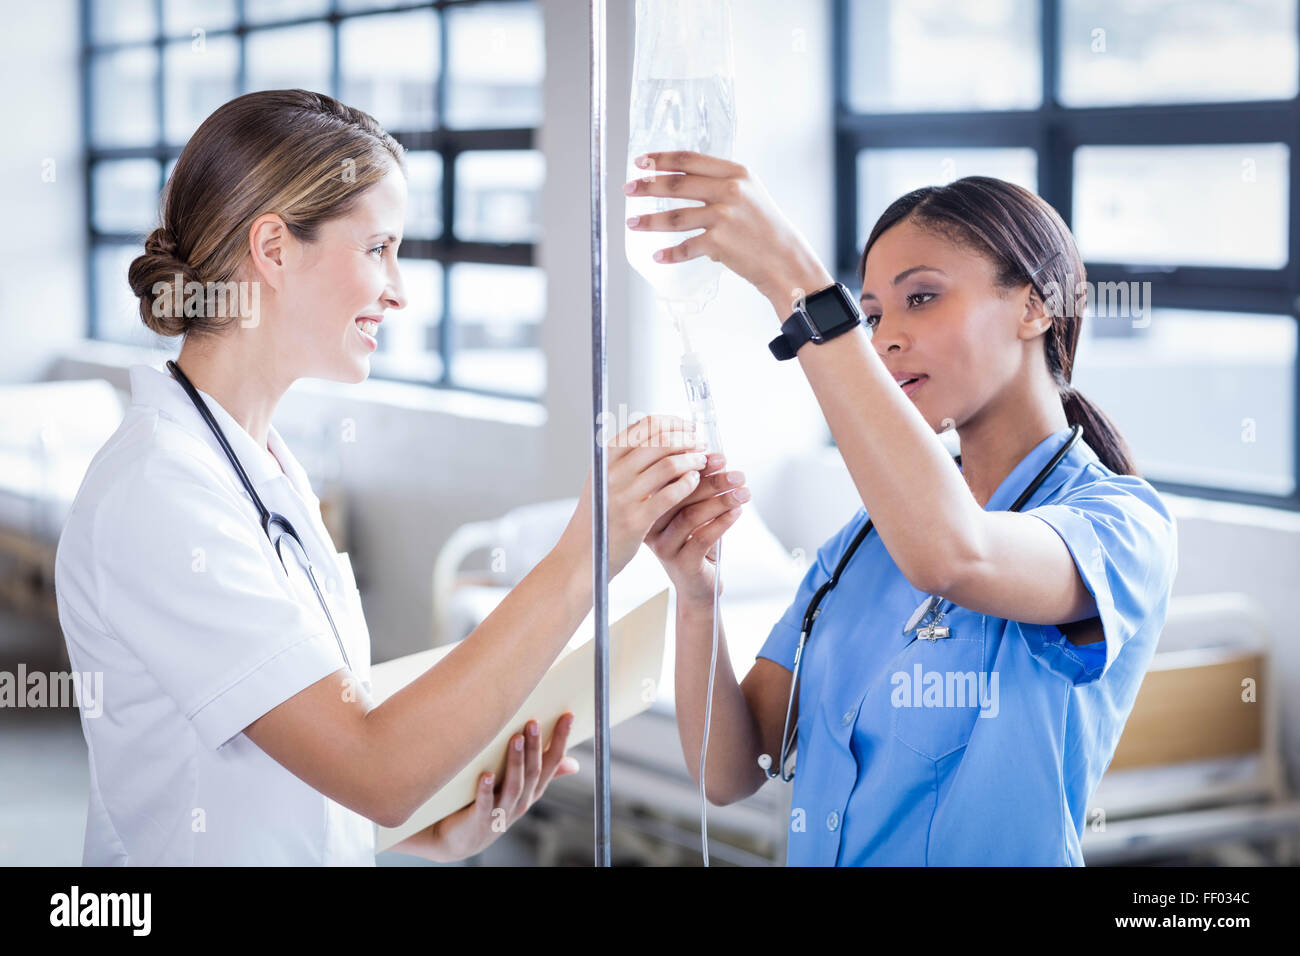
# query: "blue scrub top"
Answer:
x=984 y=747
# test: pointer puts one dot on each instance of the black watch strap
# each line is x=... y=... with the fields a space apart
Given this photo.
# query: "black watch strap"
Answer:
x=824 y=315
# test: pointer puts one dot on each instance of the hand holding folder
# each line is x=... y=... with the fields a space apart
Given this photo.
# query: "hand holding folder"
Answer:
x=636 y=647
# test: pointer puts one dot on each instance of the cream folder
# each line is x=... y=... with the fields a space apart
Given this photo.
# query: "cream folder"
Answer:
x=636 y=650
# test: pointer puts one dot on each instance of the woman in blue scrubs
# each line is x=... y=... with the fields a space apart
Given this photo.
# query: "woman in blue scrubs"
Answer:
x=981 y=747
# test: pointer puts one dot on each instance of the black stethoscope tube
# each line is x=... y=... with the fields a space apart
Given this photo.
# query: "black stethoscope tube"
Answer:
x=269 y=519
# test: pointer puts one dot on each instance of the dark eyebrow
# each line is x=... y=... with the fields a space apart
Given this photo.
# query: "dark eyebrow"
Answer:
x=903 y=275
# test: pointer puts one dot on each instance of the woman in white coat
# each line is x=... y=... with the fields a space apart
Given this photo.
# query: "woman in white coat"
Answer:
x=236 y=726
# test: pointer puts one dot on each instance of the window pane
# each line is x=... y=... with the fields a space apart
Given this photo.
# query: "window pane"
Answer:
x=183 y=17
x=496 y=63
x=1222 y=205
x=117 y=311
x=497 y=311
x=1202 y=397
x=1177 y=51
x=886 y=174
x=290 y=57
x=498 y=195
x=423 y=195
x=264 y=11
x=408 y=338
x=390 y=67
x=199 y=76
x=350 y=5
x=914 y=55
x=126 y=195
x=117 y=20
x=124 y=91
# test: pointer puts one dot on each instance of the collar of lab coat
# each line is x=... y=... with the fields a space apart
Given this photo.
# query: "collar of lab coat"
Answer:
x=154 y=386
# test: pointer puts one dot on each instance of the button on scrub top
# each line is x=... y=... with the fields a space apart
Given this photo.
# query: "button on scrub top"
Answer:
x=167 y=585
x=984 y=747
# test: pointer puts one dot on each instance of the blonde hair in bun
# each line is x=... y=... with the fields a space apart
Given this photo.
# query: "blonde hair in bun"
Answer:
x=302 y=155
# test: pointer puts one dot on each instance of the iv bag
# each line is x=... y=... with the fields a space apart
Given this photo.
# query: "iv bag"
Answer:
x=682 y=98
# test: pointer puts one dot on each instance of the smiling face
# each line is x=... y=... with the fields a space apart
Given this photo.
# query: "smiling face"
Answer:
x=349 y=271
x=936 y=311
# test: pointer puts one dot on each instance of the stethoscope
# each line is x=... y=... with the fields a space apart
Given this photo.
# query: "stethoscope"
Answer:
x=931 y=611
x=270 y=519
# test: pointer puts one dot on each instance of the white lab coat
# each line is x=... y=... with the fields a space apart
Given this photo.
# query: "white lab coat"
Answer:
x=167 y=585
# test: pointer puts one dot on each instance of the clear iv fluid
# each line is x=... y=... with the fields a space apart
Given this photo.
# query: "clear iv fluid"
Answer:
x=667 y=114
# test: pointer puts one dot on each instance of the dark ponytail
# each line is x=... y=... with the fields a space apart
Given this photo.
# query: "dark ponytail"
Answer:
x=1028 y=243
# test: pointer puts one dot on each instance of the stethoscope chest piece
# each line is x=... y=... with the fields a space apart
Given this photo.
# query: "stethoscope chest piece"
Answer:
x=932 y=631
x=921 y=613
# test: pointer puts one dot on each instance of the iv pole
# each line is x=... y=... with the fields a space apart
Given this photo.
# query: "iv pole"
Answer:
x=600 y=482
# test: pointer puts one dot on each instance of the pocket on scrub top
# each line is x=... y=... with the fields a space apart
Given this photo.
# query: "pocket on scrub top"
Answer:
x=934 y=693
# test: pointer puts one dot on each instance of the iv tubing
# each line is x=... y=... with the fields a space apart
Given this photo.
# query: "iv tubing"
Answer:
x=697 y=390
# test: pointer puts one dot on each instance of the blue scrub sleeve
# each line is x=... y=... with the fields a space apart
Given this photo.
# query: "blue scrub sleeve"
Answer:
x=784 y=637
x=1124 y=543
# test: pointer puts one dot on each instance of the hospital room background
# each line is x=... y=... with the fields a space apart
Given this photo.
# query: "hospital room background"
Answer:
x=1165 y=133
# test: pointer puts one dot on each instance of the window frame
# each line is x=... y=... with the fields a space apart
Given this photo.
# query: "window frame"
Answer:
x=449 y=143
x=1054 y=131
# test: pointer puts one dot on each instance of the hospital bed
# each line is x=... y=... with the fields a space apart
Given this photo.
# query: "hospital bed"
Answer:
x=1198 y=771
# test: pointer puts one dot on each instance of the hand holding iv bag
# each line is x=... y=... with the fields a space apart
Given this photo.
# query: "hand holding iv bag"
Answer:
x=682 y=98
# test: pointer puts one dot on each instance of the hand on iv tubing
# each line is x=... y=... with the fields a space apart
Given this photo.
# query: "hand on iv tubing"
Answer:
x=684 y=539
x=743 y=228
x=477 y=825
x=653 y=465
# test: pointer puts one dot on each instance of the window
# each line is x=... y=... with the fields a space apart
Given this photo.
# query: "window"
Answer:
x=457 y=82
x=1165 y=133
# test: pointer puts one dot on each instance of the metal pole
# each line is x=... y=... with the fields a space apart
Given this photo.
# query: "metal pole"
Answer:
x=600 y=485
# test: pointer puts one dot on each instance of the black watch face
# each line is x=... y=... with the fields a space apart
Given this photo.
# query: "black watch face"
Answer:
x=832 y=311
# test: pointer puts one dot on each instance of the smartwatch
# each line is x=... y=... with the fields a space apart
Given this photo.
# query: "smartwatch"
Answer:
x=823 y=315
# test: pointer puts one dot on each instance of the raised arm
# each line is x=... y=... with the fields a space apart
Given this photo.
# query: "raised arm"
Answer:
x=1005 y=564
